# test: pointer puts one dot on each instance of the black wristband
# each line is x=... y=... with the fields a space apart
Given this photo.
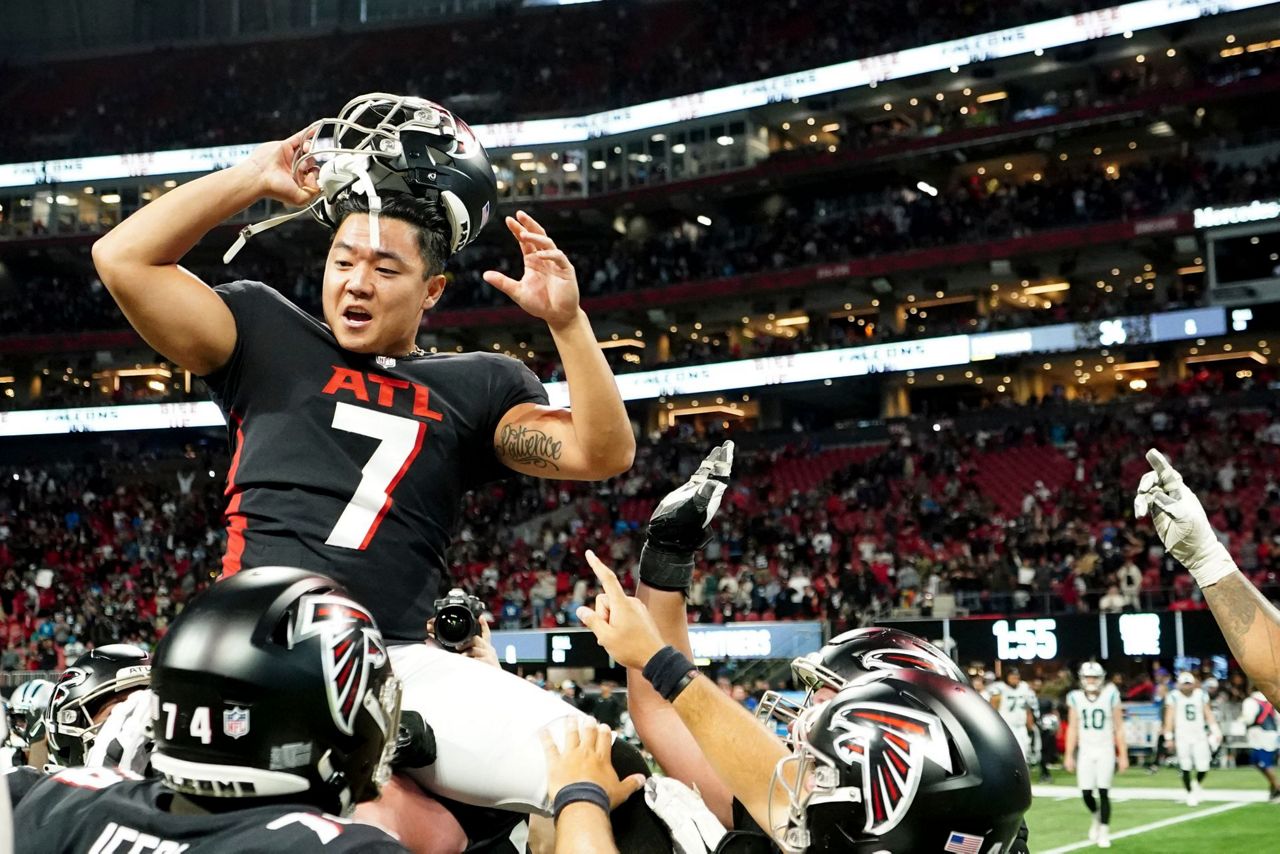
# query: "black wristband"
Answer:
x=669 y=672
x=573 y=793
x=665 y=570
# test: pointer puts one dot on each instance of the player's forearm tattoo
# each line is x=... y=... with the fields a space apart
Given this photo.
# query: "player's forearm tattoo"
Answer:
x=1235 y=604
x=519 y=444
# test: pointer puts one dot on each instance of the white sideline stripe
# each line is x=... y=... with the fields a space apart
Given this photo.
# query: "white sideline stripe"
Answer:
x=1152 y=793
x=1147 y=828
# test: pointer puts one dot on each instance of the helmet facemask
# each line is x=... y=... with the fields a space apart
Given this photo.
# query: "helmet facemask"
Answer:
x=380 y=143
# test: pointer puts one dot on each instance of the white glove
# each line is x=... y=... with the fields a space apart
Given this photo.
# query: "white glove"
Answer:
x=694 y=829
x=1181 y=523
x=124 y=741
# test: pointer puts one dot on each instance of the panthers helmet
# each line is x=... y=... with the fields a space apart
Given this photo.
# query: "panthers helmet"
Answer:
x=904 y=760
x=380 y=143
x=83 y=690
x=274 y=682
x=27 y=707
x=1092 y=676
x=854 y=654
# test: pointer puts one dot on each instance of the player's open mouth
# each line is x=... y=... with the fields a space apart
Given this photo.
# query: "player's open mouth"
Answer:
x=356 y=318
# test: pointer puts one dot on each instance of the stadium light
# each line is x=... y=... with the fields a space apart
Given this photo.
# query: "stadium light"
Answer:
x=926 y=187
x=703 y=219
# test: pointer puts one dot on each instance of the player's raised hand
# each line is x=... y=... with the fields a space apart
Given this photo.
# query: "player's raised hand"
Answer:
x=681 y=524
x=585 y=758
x=621 y=623
x=1180 y=521
x=548 y=290
x=272 y=162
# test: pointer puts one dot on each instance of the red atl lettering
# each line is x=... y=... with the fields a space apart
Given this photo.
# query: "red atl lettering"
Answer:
x=356 y=382
x=387 y=388
x=352 y=381
x=421 y=401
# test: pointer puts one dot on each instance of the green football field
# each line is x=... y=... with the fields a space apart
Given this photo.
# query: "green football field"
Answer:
x=1150 y=810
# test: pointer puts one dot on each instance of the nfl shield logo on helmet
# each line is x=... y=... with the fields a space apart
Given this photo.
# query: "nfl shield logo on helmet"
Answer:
x=235 y=722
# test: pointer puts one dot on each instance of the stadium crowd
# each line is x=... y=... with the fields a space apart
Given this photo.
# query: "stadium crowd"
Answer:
x=92 y=552
x=805 y=232
x=546 y=62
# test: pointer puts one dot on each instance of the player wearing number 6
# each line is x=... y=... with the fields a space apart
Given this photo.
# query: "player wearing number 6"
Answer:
x=1096 y=727
x=1189 y=724
x=352 y=447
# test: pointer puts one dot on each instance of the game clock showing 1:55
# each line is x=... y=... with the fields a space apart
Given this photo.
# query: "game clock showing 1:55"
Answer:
x=1025 y=640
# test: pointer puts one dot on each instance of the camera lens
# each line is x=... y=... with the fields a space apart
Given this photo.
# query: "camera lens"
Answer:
x=454 y=625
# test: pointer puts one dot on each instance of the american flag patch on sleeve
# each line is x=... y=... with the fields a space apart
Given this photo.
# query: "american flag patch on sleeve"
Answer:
x=963 y=843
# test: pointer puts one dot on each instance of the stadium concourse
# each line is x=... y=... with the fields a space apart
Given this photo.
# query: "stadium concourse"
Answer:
x=943 y=273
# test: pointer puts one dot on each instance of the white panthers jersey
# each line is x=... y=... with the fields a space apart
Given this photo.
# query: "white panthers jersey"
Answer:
x=1014 y=703
x=1097 y=717
x=1189 y=723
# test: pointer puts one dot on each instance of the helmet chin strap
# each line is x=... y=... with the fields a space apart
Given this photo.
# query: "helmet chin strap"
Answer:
x=344 y=172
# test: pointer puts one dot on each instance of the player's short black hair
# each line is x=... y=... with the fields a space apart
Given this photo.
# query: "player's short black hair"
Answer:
x=425 y=214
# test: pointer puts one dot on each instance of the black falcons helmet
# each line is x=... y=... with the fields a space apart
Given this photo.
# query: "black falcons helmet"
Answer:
x=274 y=682
x=854 y=654
x=904 y=761
x=83 y=690
x=406 y=145
x=380 y=143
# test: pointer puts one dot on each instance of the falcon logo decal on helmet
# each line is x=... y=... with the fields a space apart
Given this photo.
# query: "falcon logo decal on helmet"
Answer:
x=891 y=744
x=353 y=647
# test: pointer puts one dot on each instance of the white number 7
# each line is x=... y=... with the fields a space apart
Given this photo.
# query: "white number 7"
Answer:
x=401 y=440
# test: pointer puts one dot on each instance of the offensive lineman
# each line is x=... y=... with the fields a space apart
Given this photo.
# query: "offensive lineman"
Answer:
x=352 y=446
x=1016 y=703
x=1096 y=727
x=1189 y=725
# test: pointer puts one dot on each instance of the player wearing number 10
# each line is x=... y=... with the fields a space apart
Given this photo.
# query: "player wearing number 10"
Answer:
x=1096 y=727
x=353 y=447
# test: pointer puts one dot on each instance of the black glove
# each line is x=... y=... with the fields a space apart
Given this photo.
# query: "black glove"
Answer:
x=415 y=743
x=682 y=523
x=1019 y=844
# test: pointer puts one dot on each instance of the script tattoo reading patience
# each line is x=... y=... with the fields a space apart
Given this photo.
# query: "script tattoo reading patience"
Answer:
x=530 y=447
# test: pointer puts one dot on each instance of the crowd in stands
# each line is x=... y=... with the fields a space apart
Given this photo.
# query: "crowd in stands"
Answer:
x=498 y=67
x=805 y=232
x=93 y=553
x=1032 y=517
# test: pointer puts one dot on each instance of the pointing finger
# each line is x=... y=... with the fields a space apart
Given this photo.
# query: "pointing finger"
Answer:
x=1169 y=476
x=608 y=580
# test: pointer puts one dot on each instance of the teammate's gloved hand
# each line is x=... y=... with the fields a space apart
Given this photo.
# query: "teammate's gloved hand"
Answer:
x=1180 y=522
x=682 y=523
x=124 y=741
x=694 y=828
x=415 y=742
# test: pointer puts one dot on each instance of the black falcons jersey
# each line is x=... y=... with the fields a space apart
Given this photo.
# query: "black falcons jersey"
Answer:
x=354 y=465
x=98 y=811
x=20 y=781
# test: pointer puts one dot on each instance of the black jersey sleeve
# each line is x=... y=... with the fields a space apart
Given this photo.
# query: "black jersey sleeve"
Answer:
x=20 y=780
x=257 y=310
x=510 y=383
